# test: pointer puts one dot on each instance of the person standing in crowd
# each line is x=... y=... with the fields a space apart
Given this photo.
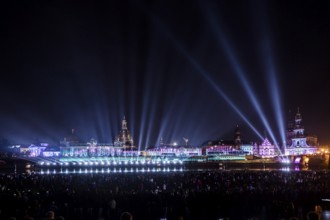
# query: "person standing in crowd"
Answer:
x=126 y=216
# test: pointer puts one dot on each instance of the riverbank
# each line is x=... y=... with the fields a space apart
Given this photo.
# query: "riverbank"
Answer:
x=15 y=164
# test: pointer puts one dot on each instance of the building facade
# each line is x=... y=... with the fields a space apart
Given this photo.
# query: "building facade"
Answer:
x=299 y=143
x=124 y=138
x=266 y=149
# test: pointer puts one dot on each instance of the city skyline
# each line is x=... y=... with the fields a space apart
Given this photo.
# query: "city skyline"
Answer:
x=74 y=137
x=192 y=69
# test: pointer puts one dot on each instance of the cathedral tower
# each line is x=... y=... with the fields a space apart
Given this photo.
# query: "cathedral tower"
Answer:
x=124 y=138
x=298 y=137
x=237 y=137
x=298 y=142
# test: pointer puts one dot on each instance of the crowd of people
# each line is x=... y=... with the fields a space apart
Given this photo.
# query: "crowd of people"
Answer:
x=173 y=195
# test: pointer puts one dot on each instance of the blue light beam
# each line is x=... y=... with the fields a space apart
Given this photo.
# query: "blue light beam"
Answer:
x=224 y=43
x=204 y=73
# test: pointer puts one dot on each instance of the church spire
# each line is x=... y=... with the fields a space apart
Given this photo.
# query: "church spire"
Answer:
x=124 y=124
x=298 y=118
x=237 y=137
x=124 y=138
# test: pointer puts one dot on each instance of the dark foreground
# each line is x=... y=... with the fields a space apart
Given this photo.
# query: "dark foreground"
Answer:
x=190 y=195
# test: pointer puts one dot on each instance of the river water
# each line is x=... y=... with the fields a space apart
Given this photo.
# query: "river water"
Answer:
x=22 y=166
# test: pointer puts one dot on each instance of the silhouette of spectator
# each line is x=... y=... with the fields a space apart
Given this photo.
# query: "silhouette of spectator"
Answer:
x=126 y=216
x=50 y=215
x=312 y=215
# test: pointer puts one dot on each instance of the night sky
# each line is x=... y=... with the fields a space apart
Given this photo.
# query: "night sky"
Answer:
x=166 y=66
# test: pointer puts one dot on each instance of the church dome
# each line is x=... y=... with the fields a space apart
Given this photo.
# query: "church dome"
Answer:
x=124 y=137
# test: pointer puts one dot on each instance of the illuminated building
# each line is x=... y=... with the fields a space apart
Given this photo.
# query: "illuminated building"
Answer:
x=51 y=152
x=124 y=138
x=72 y=147
x=35 y=150
x=227 y=147
x=247 y=148
x=298 y=142
x=266 y=149
x=173 y=149
x=237 y=138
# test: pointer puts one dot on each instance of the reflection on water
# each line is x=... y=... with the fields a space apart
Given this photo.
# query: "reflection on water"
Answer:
x=150 y=170
x=296 y=168
x=108 y=170
x=213 y=167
